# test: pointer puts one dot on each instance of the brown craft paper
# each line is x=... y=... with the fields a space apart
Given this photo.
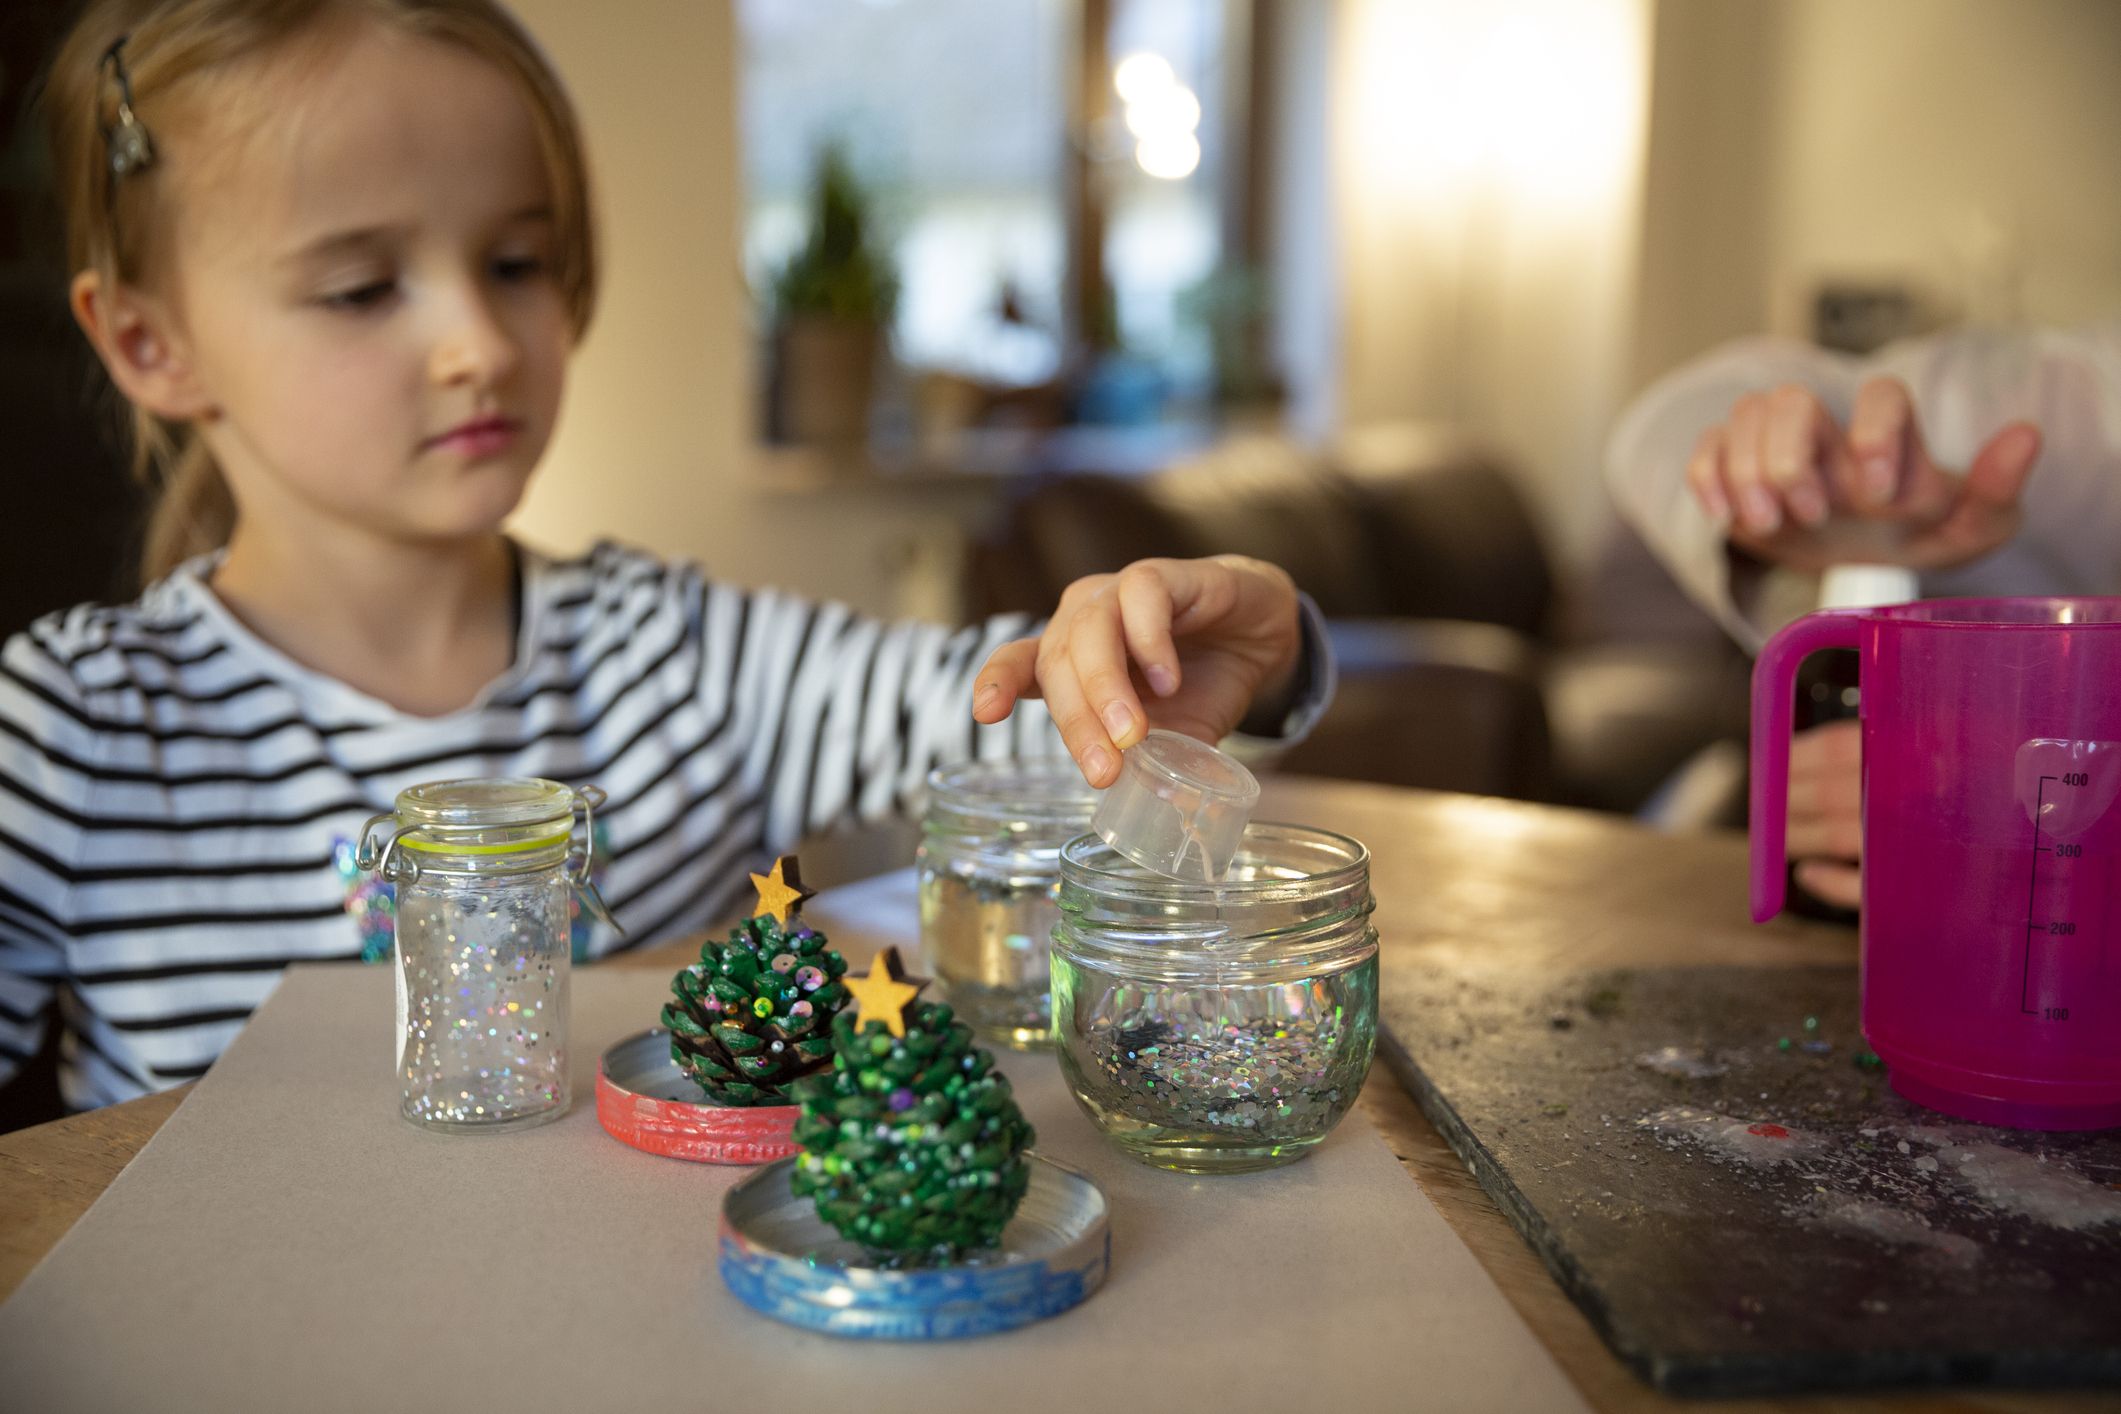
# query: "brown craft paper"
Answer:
x=287 y=1242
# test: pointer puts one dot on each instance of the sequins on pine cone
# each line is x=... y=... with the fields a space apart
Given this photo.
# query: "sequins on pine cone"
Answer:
x=752 y=1015
x=914 y=1145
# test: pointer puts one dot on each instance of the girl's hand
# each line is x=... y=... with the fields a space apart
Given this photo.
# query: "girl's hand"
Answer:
x=1797 y=490
x=1198 y=641
x=1826 y=811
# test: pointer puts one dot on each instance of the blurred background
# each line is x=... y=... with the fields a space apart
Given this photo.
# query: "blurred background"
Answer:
x=931 y=305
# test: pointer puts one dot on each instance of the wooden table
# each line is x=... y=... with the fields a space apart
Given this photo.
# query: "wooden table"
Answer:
x=1455 y=876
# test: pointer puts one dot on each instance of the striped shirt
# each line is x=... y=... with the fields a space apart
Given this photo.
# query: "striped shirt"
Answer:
x=179 y=801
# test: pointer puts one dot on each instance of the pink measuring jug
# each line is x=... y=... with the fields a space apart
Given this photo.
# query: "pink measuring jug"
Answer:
x=1991 y=764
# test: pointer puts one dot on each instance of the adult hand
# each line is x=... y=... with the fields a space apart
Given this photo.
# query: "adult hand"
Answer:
x=1826 y=811
x=1183 y=644
x=1798 y=490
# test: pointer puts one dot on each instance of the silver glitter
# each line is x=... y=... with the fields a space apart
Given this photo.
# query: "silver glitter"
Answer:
x=483 y=971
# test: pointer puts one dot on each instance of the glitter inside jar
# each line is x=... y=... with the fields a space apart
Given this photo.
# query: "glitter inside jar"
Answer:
x=1218 y=1027
x=482 y=948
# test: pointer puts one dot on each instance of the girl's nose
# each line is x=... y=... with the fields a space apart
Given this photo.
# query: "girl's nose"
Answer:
x=475 y=348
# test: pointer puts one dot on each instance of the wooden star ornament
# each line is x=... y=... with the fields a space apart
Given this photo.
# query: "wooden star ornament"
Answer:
x=781 y=891
x=885 y=993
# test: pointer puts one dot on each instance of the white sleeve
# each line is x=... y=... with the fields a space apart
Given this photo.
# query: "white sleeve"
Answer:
x=2068 y=384
x=1646 y=458
x=1965 y=387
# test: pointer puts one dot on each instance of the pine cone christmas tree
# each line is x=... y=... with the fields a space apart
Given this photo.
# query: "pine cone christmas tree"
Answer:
x=914 y=1147
x=754 y=1013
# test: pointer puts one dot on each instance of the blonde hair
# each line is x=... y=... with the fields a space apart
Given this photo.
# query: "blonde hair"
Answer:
x=111 y=221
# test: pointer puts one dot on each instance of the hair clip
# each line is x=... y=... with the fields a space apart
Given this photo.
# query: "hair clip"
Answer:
x=130 y=147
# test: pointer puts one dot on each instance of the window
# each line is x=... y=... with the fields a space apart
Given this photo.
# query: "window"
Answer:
x=953 y=111
x=967 y=120
x=1163 y=232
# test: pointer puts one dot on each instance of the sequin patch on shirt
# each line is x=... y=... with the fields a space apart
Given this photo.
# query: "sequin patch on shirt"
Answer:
x=371 y=902
x=583 y=926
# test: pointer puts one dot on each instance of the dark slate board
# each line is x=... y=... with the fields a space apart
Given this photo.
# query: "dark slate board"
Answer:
x=1779 y=1220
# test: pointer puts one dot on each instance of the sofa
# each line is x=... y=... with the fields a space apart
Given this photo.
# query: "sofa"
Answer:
x=1464 y=666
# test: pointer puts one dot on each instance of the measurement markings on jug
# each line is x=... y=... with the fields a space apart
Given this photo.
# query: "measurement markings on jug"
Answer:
x=2051 y=927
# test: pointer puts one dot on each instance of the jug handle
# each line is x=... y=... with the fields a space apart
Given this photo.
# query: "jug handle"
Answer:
x=1774 y=687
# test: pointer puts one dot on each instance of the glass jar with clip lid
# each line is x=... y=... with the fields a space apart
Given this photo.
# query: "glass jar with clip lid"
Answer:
x=483 y=869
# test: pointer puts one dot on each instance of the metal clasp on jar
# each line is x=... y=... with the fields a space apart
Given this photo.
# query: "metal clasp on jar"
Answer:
x=581 y=857
x=385 y=857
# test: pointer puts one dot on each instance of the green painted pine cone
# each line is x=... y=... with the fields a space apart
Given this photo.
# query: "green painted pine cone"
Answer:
x=913 y=1146
x=755 y=1013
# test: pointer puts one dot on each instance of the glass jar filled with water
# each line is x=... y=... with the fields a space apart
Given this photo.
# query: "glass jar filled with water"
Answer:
x=1217 y=1027
x=989 y=867
x=483 y=871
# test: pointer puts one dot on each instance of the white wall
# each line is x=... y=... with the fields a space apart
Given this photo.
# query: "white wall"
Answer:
x=1975 y=144
x=1704 y=270
x=1970 y=149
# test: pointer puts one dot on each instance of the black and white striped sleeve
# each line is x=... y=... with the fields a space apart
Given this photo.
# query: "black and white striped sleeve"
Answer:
x=46 y=765
x=851 y=713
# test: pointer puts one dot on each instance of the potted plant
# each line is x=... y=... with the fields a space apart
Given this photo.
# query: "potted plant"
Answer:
x=832 y=303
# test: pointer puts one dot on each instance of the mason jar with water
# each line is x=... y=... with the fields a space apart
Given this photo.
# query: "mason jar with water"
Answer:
x=1217 y=1025
x=989 y=871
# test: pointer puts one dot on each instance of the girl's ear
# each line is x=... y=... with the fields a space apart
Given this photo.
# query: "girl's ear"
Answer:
x=139 y=341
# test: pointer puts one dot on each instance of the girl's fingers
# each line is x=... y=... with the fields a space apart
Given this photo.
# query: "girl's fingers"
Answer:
x=1837 y=884
x=1878 y=437
x=1145 y=619
x=1010 y=674
x=1831 y=748
x=1097 y=652
x=1704 y=476
x=1826 y=792
x=1791 y=436
x=1072 y=714
x=1987 y=512
x=1759 y=512
x=1825 y=832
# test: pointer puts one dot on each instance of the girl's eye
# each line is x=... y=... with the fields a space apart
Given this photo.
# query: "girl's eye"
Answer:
x=360 y=297
x=515 y=268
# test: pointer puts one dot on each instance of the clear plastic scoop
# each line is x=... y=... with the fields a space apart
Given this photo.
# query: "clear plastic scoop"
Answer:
x=1179 y=807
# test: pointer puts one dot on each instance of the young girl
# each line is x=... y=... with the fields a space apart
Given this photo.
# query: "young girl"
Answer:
x=335 y=253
